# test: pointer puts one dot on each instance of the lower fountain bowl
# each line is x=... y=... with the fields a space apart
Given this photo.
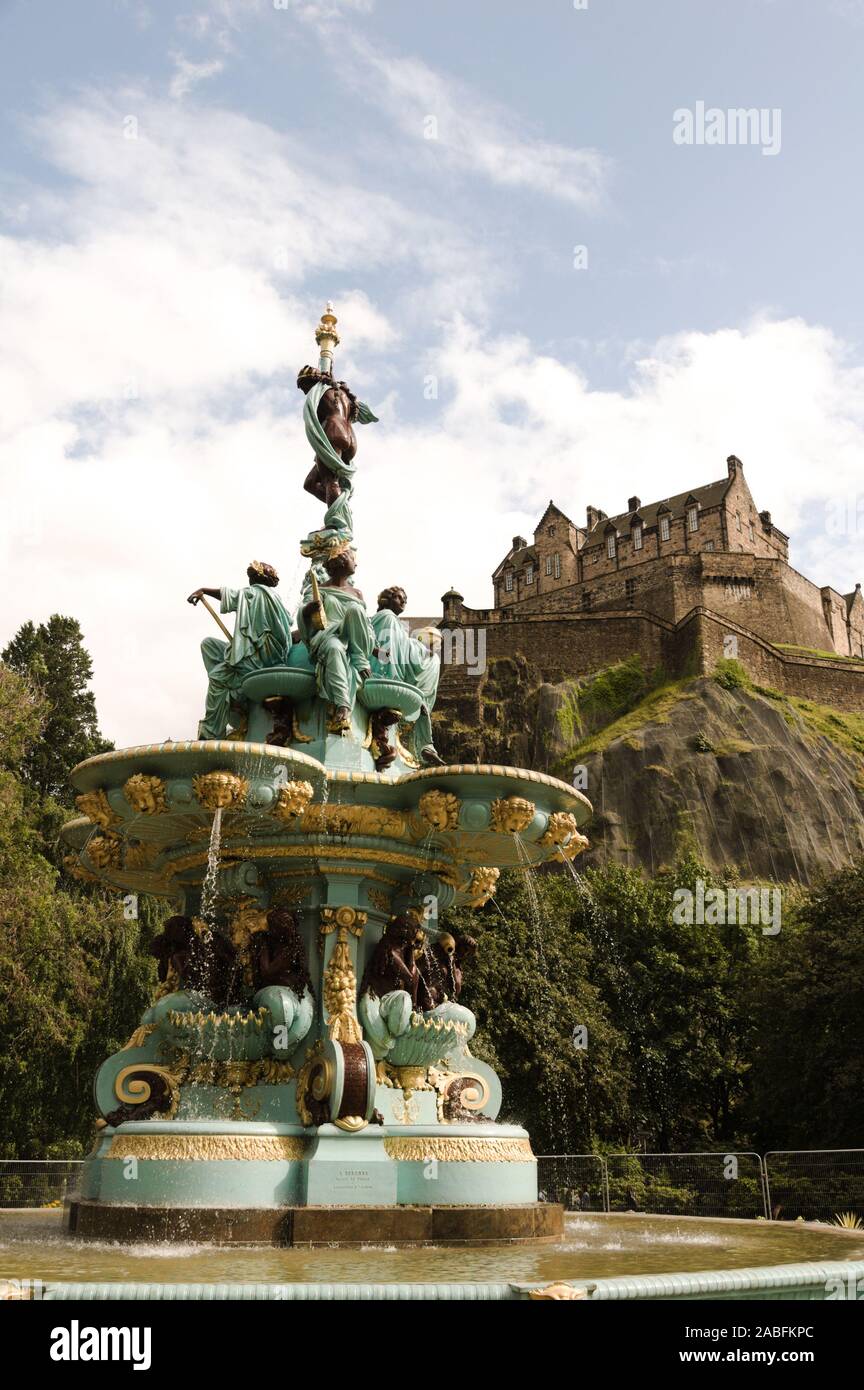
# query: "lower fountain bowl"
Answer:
x=380 y=693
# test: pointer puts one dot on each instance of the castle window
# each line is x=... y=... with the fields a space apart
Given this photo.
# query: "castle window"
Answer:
x=738 y=520
x=587 y=599
x=508 y=581
x=529 y=574
x=629 y=591
x=556 y=560
x=610 y=545
x=664 y=528
x=709 y=545
x=752 y=532
x=548 y=564
x=693 y=518
x=637 y=537
x=551 y=531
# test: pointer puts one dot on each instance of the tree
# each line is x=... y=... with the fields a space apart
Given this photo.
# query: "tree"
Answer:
x=53 y=658
x=74 y=974
x=808 y=1004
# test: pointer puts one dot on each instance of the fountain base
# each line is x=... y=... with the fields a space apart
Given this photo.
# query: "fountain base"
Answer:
x=250 y=1182
x=316 y=1226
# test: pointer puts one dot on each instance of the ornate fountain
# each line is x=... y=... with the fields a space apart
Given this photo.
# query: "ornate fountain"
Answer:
x=305 y=1071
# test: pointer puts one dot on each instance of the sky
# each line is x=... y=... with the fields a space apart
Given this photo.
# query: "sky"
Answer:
x=543 y=290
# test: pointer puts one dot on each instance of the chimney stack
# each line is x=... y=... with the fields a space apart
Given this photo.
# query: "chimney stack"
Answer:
x=593 y=516
x=519 y=542
x=633 y=504
x=734 y=465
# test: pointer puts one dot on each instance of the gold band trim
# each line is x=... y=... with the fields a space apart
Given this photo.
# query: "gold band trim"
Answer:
x=453 y=1150
x=266 y=1148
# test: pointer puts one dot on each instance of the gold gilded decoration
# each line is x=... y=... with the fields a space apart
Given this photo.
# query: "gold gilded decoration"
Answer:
x=267 y=1148
x=455 y=1150
x=311 y=1063
x=406 y=1079
x=220 y=790
x=403 y=731
x=75 y=869
x=95 y=806
x=510 y=814
x=140 y=855
x=340 y=981
x=131 y=1088
x=560 y=826
x=558 y=1291
x=145 y=794
x=482 y=886
x=321 y=850
x=351 y=918
x=234 y=1076
x=140 y=1036
x=440 y=810
x=292 y=800
x=471 y=1096
x=378 y=898
x=104 y=851
x=292 y=895
x=355 y=820
x=574 y=846
x=246 y=923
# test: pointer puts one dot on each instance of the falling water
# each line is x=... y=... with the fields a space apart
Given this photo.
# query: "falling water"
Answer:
x=208 y=889
x=545 y=1003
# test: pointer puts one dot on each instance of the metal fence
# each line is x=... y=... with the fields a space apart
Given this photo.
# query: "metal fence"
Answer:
x=577 y=1181
x=816 y=1184
x=694 y=1184
x=43 y=1182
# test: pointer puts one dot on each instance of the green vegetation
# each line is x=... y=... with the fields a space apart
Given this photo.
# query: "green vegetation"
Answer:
x=699 y=1037
x=73 y=975
x=654 y=708
x=814 y=651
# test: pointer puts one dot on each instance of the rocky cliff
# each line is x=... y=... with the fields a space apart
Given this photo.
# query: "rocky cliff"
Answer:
x=766 y=782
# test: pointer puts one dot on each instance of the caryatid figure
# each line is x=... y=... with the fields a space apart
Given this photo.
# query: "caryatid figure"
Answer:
x=262 y=637
x=342 y=651
x=399 y=654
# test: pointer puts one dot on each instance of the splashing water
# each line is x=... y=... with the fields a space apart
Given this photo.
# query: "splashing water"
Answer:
x=211 y=878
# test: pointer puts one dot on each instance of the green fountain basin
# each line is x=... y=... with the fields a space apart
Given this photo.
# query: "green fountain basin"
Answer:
x=379 y=692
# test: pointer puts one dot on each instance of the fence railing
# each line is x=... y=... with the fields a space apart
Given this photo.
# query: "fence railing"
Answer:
x=37 y=1182
x=815 y=1184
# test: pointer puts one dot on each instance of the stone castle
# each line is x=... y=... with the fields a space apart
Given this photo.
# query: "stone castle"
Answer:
x=681 y=582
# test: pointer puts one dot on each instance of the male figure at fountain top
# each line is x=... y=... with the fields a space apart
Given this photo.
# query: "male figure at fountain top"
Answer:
x=342 y=652
x=262 y=637
x=329 y=414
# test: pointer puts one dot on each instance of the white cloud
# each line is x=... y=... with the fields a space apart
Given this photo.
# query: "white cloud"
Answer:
x=188 y=74
x=474 y=135
x=150 y=441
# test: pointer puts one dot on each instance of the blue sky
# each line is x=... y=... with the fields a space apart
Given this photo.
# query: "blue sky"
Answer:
x=182 y=187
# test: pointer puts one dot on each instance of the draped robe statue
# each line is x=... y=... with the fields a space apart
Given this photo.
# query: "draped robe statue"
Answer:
x=262 y=637
x=399 y=655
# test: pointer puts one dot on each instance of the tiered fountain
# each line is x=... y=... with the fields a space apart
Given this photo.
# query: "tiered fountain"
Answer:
x=305 y=1071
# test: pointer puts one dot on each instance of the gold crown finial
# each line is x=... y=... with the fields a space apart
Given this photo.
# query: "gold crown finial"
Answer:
x=327 y=338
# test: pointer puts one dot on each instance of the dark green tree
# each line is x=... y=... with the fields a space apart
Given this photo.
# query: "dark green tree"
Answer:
x=808 y=1006
x=53 y=658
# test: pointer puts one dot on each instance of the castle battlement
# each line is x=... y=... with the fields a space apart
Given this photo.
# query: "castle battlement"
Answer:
x=706 y=548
